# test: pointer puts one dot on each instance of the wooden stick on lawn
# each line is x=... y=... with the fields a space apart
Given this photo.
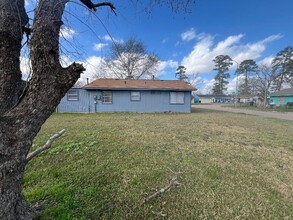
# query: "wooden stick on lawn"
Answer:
x=45 y=147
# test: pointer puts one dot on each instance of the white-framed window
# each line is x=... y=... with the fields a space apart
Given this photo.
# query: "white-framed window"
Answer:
x=73 y=95
x=107 y=97
x=176 y=97
x=135 y=96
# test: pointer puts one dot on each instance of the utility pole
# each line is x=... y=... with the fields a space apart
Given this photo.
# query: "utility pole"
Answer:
x=236 y=92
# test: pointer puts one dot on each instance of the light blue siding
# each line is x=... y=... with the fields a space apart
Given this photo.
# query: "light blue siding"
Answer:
x=281 y=100
x=150 y=101
x=82 y=105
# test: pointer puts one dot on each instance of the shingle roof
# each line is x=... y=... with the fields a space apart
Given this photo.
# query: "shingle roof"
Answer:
x=124 y=84
x=284 y=92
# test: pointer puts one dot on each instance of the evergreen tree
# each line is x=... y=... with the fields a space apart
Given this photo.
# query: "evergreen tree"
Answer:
x=283 y=67
x=180 y=73
x=222 y=65
x=246 y=67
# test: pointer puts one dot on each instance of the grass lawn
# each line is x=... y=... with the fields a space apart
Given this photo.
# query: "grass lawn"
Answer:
x=232 y=166
x=260 y=108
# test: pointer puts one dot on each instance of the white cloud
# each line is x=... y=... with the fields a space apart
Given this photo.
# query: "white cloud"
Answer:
x=231 y=87
x=65 y=60
x=165 y=66
x=266 y=61
x=188 y=35
x=272 y=38
x=228 y=42
x=200 y=59
x=205 y=87
x=25 y=67
x=169 y=63
x=67 y=33
x=99 y=46
x=109 y=38
x=93 y=66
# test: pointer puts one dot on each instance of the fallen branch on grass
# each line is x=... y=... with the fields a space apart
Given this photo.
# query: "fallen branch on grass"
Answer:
x=161 y=213
x=173 y=183
x=45 y=147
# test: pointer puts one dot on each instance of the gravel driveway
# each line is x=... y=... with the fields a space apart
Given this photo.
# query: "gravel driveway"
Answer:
x=278 y=115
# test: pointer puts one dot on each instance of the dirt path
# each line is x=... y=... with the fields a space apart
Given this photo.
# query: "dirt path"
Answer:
x=278 y=115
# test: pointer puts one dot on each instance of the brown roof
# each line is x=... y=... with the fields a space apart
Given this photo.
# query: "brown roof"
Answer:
x=126 y=84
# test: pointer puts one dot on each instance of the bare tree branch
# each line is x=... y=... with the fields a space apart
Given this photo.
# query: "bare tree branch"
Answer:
x=45 y=147
x=93 y=6
x=131 y=60
x=173 y=183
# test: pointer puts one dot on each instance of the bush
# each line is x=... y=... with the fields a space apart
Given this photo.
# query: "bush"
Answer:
x=289 y=105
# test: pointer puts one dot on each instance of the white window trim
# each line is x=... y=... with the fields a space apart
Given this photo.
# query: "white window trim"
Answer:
x=135 y=96
x=73 y=95
x=177 y=98
x=107 y=94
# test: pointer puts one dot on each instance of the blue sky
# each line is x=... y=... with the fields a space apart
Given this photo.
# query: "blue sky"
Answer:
x=250 y=29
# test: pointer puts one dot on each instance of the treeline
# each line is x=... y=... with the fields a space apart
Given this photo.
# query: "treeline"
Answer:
x=255 y=79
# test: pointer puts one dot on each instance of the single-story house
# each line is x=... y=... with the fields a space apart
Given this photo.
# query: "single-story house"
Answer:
x=124 y=95
x=215 y=98
x=282 y=97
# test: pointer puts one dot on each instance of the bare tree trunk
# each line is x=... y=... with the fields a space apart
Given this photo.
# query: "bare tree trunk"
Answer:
x=12 y=18
x=20 y=120
x=12 y=202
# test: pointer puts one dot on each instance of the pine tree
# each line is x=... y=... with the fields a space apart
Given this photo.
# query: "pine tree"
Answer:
x=246 y=67
x=180 y=73
x=283 y=67
x=222 y=64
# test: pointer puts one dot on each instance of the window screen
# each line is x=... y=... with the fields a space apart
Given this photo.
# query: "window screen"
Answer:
x=72 y=95
x=135 y=96
x=106 y=97
x=177 y=97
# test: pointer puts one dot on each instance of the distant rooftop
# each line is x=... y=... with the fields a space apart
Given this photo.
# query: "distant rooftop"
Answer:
x=126 y=84
x=213 y=96
x=284 y=92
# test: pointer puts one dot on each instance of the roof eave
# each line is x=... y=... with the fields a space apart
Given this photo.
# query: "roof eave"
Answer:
x=142 y=89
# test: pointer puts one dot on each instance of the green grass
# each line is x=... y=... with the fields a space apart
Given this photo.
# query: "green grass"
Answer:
x=234 y=166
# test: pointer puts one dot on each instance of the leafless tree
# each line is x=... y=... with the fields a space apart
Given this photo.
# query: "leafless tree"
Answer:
x=262 y=82
x=130 y=60
x=25 y=106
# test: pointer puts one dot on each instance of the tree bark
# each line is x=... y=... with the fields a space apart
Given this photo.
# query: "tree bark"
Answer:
x=12 y=18
x=21 y=119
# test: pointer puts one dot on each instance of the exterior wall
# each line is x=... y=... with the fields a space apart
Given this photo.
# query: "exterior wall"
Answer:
x=82 y=105
x=281 y=100
x=214 y=99
x=205 y=100
x=150 y=101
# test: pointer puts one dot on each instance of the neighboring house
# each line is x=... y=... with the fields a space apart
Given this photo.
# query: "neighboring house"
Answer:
x=281 y=98
x=246 y=99
x=214 y=98
x=121 y=95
